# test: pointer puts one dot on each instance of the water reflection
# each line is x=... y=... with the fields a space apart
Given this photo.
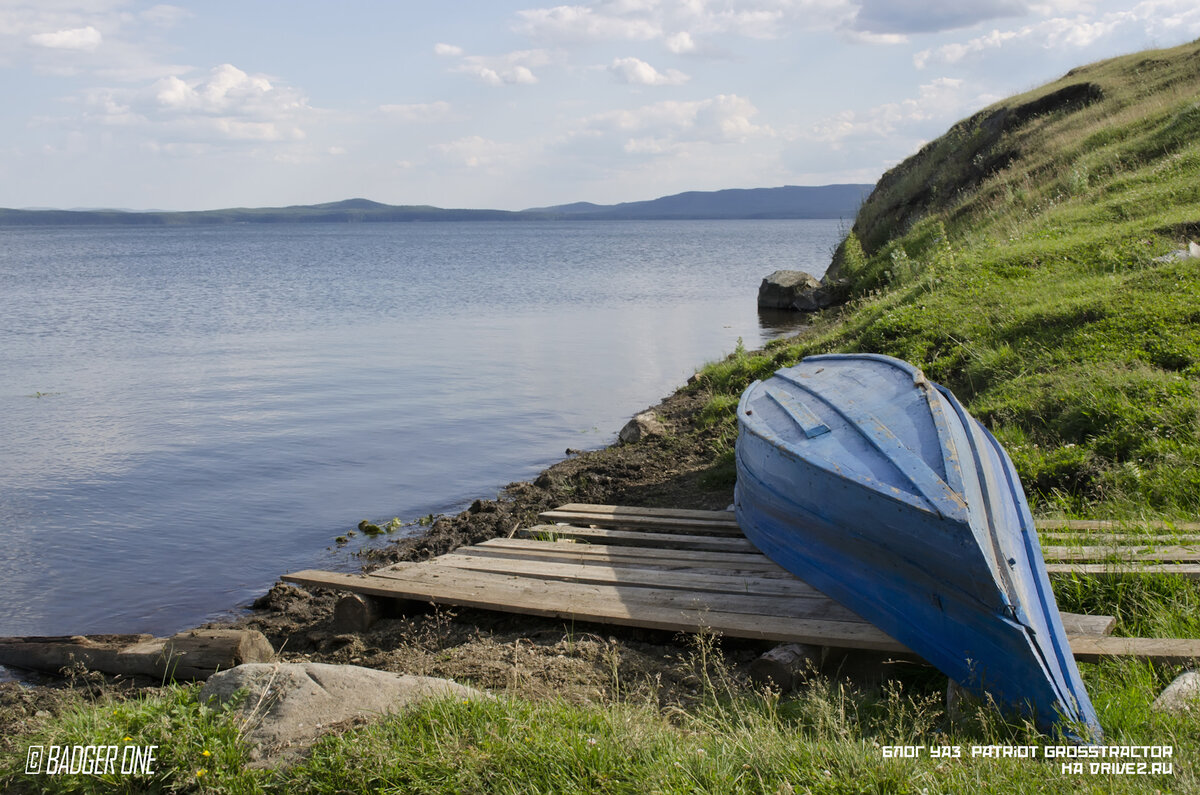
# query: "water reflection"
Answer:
x=776 y=323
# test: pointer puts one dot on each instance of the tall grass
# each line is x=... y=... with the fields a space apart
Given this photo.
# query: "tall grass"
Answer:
x=830 y=737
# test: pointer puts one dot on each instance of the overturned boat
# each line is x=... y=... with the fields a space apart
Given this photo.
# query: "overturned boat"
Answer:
x=875 y=486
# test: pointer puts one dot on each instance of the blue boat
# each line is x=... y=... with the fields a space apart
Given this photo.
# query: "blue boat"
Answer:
x=876 y=486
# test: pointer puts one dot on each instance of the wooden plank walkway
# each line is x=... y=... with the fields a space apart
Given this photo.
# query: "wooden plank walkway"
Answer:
x=674 y=570
x=1090 y=549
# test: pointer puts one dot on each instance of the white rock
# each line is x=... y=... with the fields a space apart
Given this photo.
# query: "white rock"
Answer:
x=288 y=703
x=1182 y=695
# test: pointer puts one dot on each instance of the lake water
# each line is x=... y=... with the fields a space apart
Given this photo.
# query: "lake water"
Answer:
x=187 y=413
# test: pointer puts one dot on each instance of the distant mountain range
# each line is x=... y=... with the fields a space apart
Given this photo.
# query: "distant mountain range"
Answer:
x=826 y=201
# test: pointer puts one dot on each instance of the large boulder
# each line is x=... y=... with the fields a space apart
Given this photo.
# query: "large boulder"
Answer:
x=288 y=705
x=781 y=289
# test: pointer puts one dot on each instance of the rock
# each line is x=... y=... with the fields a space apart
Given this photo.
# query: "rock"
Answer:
x=288 y=705
x=1182 y=695
x=786 y=666
x=355 y=613
x=641 y=426
x=549 y=482
x=781 y=289
x=1191 y=252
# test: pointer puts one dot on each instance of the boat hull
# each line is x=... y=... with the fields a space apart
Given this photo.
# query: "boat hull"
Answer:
x=875 y=486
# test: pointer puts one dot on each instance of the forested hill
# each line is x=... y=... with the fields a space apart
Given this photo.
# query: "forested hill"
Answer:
x=828 y=201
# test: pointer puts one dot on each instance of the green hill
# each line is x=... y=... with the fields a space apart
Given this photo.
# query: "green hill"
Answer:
x=1024 y=260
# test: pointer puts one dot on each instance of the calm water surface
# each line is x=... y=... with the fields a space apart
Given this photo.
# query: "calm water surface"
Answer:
x=187 y=413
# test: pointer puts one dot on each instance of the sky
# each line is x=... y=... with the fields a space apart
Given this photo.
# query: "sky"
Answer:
x=510 y=105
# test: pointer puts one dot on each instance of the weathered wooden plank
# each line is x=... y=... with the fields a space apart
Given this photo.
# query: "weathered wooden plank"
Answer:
x=1117 y=539
x=196 y=654
x=1141 y=553
x=1189 y=570
x=636 y=538
x=1074 y=623
x=582 y=603
x=1105 y=524
x=660 y=513
x=1080 y=624
x=627 y=575
x=663 y=524
x=806 y=604
x=615 y=556
x=680 y=555
x=586 y=603
x=1168 y=651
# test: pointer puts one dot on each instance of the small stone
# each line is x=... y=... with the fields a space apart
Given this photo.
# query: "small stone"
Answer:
x=643 y=425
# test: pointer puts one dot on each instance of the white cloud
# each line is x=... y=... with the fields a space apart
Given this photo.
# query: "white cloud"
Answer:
x=226 y=107
x=680 y=43
x=514 y=68
x=940 y=100
x=676 y=22
x=637 y=72
x=420 y=112
x=1149 y=18
x=447 y=50
x=228 y=90
x=573 y=23
x=86 y=39
x=663 y=126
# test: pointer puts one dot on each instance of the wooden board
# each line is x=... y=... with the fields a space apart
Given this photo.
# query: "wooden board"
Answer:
x=820 y=624
x=1141 y=553
x=689 y=571
x=639 y=538
x=1164 y=528
x=1117 y=539
x=721 y=523
x=685 y=556
x=1167 y=651
x=625 y=575
x=578 y=602
x=1189 y=570
x=617 y=557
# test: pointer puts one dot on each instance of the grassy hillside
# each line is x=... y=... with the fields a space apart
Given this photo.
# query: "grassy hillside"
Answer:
x=1015 y=259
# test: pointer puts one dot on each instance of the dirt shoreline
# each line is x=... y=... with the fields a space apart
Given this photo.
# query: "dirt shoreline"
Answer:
x=532 y=656
x=525 y=655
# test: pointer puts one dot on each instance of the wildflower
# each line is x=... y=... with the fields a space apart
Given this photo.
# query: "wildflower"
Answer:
x=126 y=739
x=205 y=752
x=200 y=773
x=591 y=741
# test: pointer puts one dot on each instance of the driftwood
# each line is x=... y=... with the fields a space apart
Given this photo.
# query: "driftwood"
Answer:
x=197 y=654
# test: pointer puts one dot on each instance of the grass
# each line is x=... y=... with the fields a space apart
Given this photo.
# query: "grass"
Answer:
x=830 y=737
